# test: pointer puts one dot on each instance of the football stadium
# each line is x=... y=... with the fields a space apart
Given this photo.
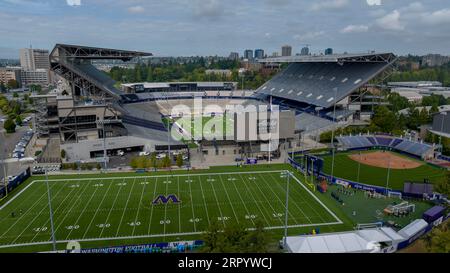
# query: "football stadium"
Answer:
x=363 y=193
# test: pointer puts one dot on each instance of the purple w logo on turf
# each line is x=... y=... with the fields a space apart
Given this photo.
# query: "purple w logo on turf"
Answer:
x=161 y=199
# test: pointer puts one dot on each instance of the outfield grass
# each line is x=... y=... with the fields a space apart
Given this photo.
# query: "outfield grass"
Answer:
x=101 y=210
x=347 y=168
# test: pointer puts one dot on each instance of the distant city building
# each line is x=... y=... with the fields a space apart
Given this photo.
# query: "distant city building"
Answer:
x=286 y=50
x=9 y=73
x=248 y=54
x=259 y=54
x=38 y=77
x=329 y=51
x=435 y=60
x=275 y=54
x=234 y=56
x=305 y=51
x=32 y=59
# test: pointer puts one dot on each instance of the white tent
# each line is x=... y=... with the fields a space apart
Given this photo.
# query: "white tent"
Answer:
x=360 y=241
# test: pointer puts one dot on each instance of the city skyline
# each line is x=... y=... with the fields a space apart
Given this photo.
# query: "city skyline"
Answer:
x=213 y=27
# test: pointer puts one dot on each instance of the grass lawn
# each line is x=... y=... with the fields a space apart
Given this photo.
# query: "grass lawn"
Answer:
x=347 y=168
x=105 y=210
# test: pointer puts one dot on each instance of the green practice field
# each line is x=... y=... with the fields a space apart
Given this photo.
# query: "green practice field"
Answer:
x=121 y=208
x=347 y=168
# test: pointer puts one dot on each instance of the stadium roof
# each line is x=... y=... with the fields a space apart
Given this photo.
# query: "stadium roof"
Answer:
x=334 y=58
x=96 y=53
x=73 y=62
x=324 y=80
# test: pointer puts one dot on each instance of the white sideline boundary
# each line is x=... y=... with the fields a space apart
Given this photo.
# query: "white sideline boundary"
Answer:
x=338 y=221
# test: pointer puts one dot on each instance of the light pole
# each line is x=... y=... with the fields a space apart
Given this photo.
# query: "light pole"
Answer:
x=50 y=210
x=332 y=133
x=388 y=174
x=444 y=114
x=288 y=174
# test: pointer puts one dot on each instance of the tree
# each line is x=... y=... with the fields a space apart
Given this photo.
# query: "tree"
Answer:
x=15 y=95
x=167 y=162
x=13 y=84
x=2 y=87
x=212 y=238
x=10 y=126
x=258 y=240
x=63 y=153
x=179 y=160
x=443 y=185
x=18 y=120
x=384 y=119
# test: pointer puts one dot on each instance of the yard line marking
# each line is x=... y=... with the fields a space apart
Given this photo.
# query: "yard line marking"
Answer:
x=283 y=190
x=204 y=201
x=165 y=205
x=179 y=206
x=229 y=200
x=158 y=235
x=151 y=213
x=38 y=215
x=20 y=217
x=139 y=207
x=111 y=209
x=97 y=210
x=281 y=201
x=156 y=176
x=125 y=209
x=270 y=204
x=254 y=199
x=33 y=204
x=217 y=203
x=73 y=206
x=54 y=212
x=84 y=209
x=263 y=215
x=192 y=206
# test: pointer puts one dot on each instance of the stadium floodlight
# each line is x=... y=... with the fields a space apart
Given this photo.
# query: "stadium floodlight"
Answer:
x=332 y=132
x=50 y=210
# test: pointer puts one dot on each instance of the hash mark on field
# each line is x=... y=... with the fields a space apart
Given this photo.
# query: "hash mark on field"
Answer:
x=95 y=214
x=229 y=200
x=140 y=202
x=151 y=213
x=114 y=203
x=126 y=205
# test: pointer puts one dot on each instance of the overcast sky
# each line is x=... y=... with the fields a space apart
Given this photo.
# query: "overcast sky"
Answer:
x=217 y=27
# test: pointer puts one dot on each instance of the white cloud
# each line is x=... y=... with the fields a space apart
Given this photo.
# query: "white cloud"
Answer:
x=391 y=21
x=73 y=2
x=355 y=29
x=329 y=4
x=437 y=17
x=309 y=36
x=136 y=9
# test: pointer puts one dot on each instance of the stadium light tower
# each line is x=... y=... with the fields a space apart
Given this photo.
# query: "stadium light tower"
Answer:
x=443 y=114
x=332 y=133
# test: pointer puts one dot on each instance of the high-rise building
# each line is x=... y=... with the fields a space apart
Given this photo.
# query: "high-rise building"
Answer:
x=329 y=51
x=32 y=59
x=234 y=56
x=305 y=51
x=286 y=50
x=248 y=54
x=9 y=73
x=259 y=54
x=38 y=76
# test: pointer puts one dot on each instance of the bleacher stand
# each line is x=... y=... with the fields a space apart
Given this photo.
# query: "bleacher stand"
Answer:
x=410 y=147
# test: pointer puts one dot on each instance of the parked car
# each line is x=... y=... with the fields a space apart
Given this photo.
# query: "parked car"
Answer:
x=161 y=156
x=144 y=154
x=120 y=153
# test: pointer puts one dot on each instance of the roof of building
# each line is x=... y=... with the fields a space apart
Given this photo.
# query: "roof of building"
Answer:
x=336 y=58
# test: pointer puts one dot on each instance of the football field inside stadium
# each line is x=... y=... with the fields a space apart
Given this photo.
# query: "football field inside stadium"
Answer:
x=119 y=208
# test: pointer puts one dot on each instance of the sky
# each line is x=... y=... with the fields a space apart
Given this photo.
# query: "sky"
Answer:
x=217 y=27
